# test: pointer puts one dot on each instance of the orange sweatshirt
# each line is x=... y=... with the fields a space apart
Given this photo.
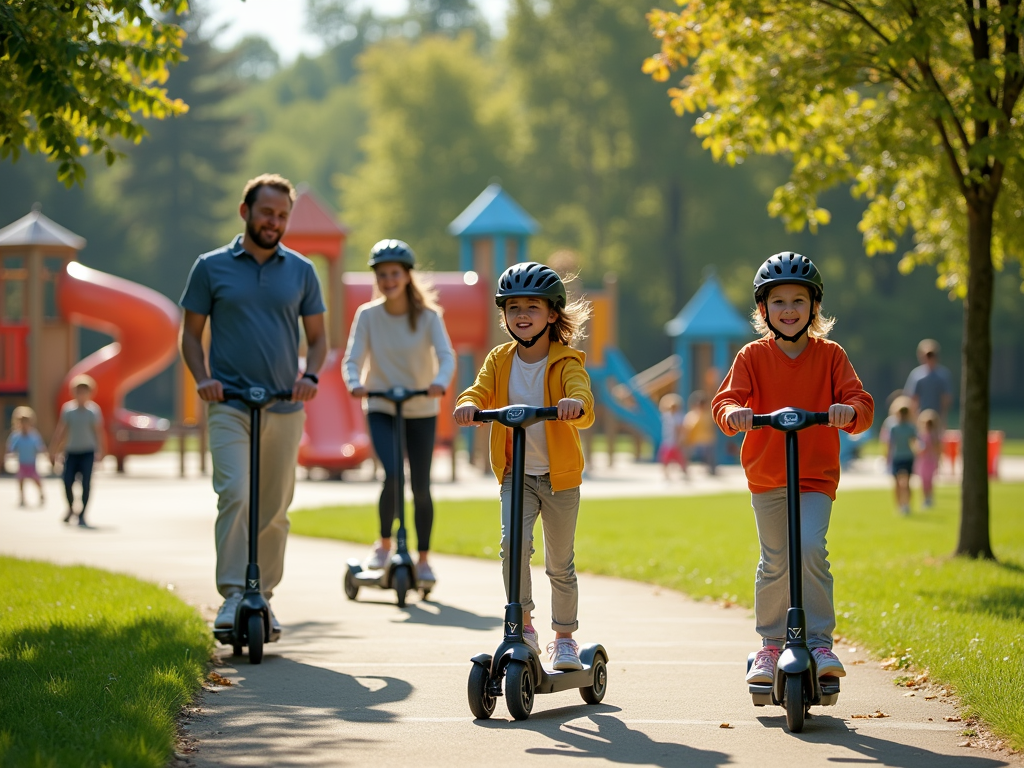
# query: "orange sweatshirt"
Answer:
x=564 y=377
x=765 y=379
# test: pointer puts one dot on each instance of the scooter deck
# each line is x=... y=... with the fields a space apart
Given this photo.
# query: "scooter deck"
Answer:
x=761 y=693
x=227 y=636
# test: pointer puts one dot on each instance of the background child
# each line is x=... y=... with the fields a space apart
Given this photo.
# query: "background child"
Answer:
x=900 y=452
x=793 y=364
x=699 y=427
x=929 y=442
x=672 y=433
x=79 y=435
x=540 y=369
x=27 y=443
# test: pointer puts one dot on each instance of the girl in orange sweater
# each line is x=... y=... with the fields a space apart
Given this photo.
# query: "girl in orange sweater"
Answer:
x=539 y=368
x=792 y=364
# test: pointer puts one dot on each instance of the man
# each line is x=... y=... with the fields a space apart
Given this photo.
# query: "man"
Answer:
x=254 y=292
x=930 y=385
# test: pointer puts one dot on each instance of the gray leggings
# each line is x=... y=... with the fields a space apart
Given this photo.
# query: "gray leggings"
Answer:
x=771 y=587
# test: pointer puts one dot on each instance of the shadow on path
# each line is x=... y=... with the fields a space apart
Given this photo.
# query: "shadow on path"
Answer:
x=612 y=740
x=435 y=614
x=296 y=728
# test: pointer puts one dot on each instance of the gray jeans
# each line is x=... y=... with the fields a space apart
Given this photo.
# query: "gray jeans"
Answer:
x=558 y=513
x=771 y=588
x=280 y=434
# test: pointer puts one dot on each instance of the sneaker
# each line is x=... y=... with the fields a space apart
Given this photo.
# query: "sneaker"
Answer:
x=904 y=509
x=565 y=654
x=425 y=575
x=226 y=615
x=81 y=520
x=377 y=559
x=828 y=664
x=69 y=515
x=763 y=668
x=274 y=625
x=530 y=638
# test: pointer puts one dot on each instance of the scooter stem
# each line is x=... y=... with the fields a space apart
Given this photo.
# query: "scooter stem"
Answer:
x=796 y=567
x=515 y=547
x=252 y=571
x=400 y=542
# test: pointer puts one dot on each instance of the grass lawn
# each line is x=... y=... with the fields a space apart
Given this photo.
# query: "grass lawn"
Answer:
x=94 y=667
x=898 y=592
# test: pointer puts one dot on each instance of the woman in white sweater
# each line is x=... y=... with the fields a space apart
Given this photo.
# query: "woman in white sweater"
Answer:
x=399 y=339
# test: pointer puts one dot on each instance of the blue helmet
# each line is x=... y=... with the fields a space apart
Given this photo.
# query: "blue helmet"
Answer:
x=392 y=250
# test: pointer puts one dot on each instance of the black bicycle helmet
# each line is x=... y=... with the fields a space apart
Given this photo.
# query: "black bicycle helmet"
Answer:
x=392 y=250
x=787 y=267
x=531 y=279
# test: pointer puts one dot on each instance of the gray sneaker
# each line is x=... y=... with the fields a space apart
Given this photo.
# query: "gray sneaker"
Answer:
x=425 y=575
x=565 y=654
x=378 y=559
x=226 y=615
x=530 y=638
x=274 y=625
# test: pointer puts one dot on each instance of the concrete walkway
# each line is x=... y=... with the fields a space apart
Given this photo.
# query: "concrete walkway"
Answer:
x=365 y=683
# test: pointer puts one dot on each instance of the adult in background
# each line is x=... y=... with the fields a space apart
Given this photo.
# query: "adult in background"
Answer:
x=930 y=385
x=254 y=292
x=399 y=339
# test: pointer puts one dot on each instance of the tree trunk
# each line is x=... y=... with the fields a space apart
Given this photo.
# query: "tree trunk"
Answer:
x=974 y=538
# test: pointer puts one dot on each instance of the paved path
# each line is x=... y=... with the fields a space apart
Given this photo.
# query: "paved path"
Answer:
x=365 y=683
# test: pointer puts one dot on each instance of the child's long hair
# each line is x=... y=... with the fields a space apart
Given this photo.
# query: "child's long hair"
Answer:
x=821 y=326
x=421 y=295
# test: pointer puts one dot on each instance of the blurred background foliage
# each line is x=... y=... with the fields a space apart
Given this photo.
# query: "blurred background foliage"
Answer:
x=403 y=120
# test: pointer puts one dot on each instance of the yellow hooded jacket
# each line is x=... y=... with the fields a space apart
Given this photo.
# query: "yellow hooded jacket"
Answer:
x=565 y=377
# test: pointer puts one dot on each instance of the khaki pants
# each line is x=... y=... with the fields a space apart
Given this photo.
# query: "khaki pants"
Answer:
x=558 y=512
x=229 y=447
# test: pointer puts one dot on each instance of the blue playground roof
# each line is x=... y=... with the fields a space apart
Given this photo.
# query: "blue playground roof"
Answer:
x=709 y=314
x=494 y=212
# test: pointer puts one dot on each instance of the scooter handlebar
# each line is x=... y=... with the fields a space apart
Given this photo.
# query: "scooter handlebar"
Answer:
x=256 y=397
x=397 y=394
x=790 y=419
x=518 y=415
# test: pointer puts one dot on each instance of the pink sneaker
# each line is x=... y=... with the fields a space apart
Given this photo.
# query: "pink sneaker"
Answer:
x=827 y=662
x=763 y=668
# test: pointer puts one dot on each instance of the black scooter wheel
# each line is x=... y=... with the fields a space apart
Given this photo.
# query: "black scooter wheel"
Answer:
x=795 y=707
x=595 y=693
x=402 y=582
x=519 y=690
x=255 y=638
x=481 y=703
x=351 y=587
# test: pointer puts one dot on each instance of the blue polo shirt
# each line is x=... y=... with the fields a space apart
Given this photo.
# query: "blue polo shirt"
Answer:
x=254 y=312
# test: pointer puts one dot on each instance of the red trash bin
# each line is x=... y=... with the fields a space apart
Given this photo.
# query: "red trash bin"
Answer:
x=995 y=448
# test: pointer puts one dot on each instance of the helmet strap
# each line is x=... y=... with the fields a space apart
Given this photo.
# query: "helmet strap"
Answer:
x=529 y=342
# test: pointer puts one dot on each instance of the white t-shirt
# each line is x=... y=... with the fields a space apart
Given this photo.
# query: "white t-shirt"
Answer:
x=526 y=387
x=670 y=424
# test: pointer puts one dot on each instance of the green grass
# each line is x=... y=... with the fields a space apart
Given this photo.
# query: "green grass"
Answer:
x=94 y=667
x=898 y=592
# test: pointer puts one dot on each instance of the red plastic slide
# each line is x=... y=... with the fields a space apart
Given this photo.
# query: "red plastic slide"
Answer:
x=335 y=436
x=144 y=325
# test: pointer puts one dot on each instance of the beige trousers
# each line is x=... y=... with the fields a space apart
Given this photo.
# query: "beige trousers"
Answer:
x=229 y=447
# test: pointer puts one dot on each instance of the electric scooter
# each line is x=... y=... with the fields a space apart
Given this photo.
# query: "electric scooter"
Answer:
x=398 y=574
x=797 y=686
x=514 y=660
x=252 y=616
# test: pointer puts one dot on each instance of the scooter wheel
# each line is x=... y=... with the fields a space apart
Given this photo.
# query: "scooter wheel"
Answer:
x=255 y=638
x=519 y=690
x=795 y=707
x=403 y=581
x=351 y=587
x=481 y=703
x=595 y=693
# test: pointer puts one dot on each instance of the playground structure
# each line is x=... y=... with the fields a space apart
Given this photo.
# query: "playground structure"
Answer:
x=45 y=295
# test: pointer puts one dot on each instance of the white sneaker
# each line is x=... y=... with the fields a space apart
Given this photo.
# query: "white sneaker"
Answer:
x=226 y=615
x=530 y=638
x=274 y=625
x=762 y=671
x=378 y=559
x=565 y=654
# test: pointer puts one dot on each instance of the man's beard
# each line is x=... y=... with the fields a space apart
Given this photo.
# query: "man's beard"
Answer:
x=260 y=240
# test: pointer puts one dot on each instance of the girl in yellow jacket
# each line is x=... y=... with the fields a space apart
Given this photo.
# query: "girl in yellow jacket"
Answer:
x=539 y=368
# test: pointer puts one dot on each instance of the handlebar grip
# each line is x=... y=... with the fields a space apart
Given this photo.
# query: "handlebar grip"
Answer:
x=548 y=413
x=489 y=415
x=761 y=420
x=821 y=417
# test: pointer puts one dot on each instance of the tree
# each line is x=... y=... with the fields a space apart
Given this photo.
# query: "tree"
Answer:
x=917 y=103
x=438 y=130
x=75 y=75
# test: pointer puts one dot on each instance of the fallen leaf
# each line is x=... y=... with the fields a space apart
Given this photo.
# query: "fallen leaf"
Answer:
x=856 y=661
x=725 y=725
x=931 y=696
x=218 y=679
x=910 y=694
x=964 y=744
x=951 y=719
x=891 y=663
x=876 y=714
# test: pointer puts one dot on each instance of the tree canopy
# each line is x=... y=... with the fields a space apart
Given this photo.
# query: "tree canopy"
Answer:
x=75 y=76
x=916 y=103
